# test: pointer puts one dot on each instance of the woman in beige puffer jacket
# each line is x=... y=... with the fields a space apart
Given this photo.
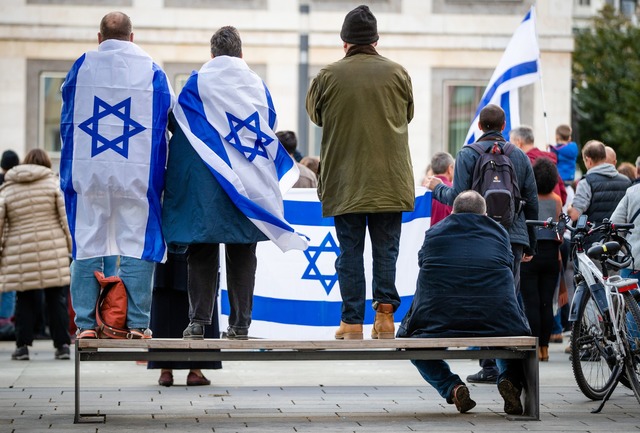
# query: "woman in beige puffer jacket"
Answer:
x=35 y=249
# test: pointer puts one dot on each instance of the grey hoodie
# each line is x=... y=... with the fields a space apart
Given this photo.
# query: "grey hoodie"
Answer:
x=582 y=199
x=627 y=208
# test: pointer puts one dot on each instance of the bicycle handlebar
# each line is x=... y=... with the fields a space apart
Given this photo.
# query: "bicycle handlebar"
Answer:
x=607 y=227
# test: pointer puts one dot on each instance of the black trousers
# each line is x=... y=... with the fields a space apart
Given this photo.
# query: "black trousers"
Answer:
x=203 y=263
x=28 y=307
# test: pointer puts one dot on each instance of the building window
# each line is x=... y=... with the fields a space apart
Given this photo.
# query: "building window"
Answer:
x=481 y=7
x=461 y=105
x=43 y=104
x=81 y=2
x=49 y=104
x=217 y=4
x=377 y=6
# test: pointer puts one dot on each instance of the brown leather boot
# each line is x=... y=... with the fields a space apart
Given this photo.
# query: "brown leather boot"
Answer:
x=347 y=331
x=543 y=353
x=383 y=326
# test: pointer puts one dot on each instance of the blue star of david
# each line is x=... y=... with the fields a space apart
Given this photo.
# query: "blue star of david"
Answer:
x=120 y=144
x=252 y=123
x=328 y=245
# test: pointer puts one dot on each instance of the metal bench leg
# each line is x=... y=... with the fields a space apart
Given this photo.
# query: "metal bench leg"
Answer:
x=532 y=391
x=81 y=417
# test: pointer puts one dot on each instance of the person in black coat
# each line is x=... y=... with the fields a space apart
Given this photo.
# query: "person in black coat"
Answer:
x=463 y=291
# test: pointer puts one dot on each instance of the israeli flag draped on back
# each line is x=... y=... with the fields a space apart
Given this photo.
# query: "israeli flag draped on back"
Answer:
x=115 y=105
x=518 y=67
x=227 y=113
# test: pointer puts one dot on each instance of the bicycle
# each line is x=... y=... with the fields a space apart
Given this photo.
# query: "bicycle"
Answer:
x=605 y=337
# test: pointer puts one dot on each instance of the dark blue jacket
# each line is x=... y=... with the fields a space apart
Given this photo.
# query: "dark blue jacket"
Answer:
x=466 y=159
x=196 y=209
x=465 y=286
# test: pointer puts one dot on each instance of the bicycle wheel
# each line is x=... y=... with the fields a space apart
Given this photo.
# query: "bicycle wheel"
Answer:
x=630 y=328
x=592 y=355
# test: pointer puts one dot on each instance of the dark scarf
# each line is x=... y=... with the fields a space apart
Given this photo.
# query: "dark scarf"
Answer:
x=361 y=49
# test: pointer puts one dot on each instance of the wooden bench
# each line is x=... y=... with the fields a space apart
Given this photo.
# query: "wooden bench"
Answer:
x=523 y=348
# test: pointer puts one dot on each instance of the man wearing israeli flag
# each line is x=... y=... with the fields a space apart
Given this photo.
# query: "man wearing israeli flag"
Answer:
x=226 y=175
x=115 y=106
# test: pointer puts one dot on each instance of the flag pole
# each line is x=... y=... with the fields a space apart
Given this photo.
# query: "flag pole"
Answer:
x=544 y=105
x=544 y=112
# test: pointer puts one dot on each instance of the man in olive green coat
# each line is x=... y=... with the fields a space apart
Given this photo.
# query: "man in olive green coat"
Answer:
x=364 y=103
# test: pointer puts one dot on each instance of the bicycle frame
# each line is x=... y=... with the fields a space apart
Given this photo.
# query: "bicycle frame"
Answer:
x=592 y=277
x=605 y=332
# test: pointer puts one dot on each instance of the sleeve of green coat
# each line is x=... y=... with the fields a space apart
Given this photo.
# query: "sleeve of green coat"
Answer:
x=410 y=99
x=313 y=102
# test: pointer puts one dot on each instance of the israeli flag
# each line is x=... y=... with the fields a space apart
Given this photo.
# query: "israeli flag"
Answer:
x=227 y=113
x=297 y=295
x=519 y=66
x=115 y=106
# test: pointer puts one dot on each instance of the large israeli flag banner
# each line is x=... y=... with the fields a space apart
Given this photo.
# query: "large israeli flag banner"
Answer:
x=115 y=106
x=518 y=67
x=297 y=295
x=227 y=113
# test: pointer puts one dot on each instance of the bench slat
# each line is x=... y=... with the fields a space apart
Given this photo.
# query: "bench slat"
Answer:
x=257 y=344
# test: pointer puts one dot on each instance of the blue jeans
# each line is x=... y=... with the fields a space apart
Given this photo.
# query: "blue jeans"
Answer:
x=438 y=374
x=7 y=304
x=136 y=275
x=110 y=266
x=384 y=231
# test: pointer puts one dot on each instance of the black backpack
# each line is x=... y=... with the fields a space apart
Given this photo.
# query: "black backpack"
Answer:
x=495 y=179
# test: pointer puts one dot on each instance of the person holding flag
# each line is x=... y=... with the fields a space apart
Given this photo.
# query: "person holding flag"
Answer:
x=226 y=175
x=115 y=107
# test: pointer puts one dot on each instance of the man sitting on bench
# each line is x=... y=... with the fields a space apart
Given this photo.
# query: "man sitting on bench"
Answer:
x=465 y=289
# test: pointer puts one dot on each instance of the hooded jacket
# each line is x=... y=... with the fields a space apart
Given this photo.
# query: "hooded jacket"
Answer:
x=461 y=293
x=629 y=207
x=36 y=243
x=600 y=191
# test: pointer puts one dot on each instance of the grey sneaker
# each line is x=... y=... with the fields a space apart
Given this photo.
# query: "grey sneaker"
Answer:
x=237 y=333
x=63 y=352
x=195 y=331
x=21 y=354
x=483 y=376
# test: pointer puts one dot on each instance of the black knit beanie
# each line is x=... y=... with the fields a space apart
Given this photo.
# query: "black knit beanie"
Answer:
x=360 y=27
x=9 y=160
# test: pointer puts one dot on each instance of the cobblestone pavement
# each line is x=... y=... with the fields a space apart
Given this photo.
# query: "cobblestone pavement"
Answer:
x=306 y=396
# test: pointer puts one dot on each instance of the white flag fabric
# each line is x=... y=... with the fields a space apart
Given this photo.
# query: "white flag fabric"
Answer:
x=518 y=67
x=115 y=106
x=297 y=294
x=227 y=114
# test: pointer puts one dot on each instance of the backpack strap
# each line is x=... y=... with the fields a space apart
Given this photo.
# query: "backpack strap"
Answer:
x=478 y=147
x=635 y=215
x=506 y=148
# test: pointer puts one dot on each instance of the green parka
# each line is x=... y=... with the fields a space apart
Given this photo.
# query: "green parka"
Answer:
x=364 y=103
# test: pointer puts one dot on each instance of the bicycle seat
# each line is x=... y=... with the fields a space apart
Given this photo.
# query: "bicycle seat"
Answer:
x=608 y=249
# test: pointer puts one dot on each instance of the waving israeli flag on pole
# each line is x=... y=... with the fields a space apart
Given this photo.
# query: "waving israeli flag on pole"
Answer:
x=227 y=113
x=518 y=67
